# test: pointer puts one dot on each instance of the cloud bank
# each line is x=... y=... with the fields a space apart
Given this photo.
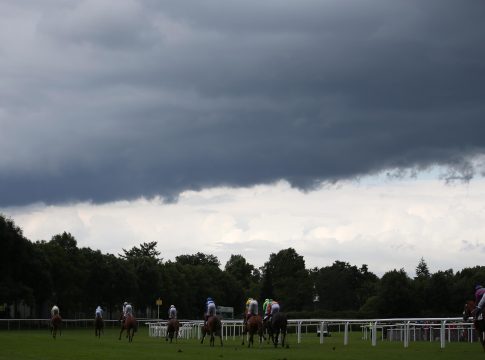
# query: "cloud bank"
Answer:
x=106 y=101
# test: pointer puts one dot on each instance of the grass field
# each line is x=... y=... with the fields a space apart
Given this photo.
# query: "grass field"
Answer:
x=81 y=344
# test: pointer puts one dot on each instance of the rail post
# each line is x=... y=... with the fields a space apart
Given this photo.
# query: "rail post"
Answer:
x=346 y=333
x=443 y=334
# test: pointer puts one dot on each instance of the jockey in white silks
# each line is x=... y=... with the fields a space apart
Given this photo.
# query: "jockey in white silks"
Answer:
x=55 y=310
x=253 y=307
x=172 y=312
x=124 y=308
x=99 y=312
x=128 y=310
x=275 y=307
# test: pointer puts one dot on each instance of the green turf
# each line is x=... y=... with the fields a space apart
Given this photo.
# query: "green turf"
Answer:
x=81 y=344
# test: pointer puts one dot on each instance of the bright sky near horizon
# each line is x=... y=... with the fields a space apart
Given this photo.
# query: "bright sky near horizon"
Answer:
x=386 y=225
x=248 y=127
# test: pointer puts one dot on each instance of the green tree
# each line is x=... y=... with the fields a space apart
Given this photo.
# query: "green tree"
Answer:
x=198 y=259
x=396 y=295
x=285 y=272
x=240 y=270
x=147 y=267
x=438 y=294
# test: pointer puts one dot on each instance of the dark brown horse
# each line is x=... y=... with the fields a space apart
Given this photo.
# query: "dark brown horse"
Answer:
x=470 y=307
x=213 y=328
x=279 y=323
x=130 y=325
x=56 y=324
x=98 y=326
x=253 y=325
x=173 y=326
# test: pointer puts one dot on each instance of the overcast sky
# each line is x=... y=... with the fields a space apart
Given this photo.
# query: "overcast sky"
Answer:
x=248 y=126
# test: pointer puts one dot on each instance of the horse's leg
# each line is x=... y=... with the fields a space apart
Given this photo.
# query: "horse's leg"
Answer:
x=480 y=333
x=121 y=332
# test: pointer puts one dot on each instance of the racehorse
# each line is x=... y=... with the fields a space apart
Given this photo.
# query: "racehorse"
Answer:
x=213 y=327
x=131 y=326
x=479 y=324
x=267 y=329
x=253 y=325
x=56 y=322
x=172 y=328
x=98 y=326
x=279 y=323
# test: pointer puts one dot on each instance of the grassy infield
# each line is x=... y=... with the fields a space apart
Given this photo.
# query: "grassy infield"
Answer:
x=81 y=344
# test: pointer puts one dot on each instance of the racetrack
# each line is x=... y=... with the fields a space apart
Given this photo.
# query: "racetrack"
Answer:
x=82 y=344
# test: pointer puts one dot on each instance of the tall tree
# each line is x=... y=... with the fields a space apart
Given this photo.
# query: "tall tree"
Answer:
x=146 y=264
x=343 y=286
x=396 y=295
x=198 y=259
x=291 y=282
x=422 y=271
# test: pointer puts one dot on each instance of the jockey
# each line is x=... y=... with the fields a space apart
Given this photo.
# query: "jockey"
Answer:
x=172 y=312
x=210 y=309
x=479 y=300
x=275 y=307
x=246 y=310
x=99 y=312
x=55 y=310
x=267 y=308
x=252 y=308
x=128 y=310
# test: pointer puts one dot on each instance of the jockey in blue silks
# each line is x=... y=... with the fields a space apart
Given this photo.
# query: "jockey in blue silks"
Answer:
x=210 y=309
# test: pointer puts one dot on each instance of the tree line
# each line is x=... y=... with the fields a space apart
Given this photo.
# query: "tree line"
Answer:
x=43 y=273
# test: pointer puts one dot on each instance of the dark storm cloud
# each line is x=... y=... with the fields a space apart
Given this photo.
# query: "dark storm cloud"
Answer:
x=114 y=100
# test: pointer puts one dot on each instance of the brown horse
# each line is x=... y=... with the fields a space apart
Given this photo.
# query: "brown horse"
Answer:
x=479 y=324
x=253 y=325
x=173 y=326
x=213 y=328
x=279 y=323
x=98 y=326
x=56 y=324
x=130 y=325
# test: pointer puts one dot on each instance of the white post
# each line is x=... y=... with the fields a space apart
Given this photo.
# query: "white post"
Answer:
x=321 y=332
x=406 y=334
x=346 y=333
x=443 y=334
x=299 y=332
x=374 y=333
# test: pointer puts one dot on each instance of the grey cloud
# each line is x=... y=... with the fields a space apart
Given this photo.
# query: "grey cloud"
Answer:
x=152 y=98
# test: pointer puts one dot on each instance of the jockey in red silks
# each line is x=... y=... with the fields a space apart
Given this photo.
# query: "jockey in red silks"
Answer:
x=479 y=300
x=267 y=308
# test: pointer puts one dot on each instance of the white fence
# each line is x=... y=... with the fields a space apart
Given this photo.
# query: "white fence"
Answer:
x=440 y=330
